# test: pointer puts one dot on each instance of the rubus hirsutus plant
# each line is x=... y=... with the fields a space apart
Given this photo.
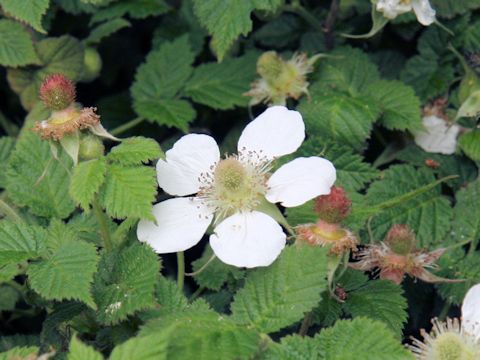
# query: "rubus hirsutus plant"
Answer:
x=318 y=196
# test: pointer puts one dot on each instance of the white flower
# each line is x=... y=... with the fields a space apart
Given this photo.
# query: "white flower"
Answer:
x=234 y=192
x=422 y=8
x=453 y=339
x=438 y=136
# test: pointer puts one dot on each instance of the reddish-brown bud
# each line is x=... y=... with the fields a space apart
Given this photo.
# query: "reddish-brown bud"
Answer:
x=401 y=239
x=57 y=92
x=334 y=207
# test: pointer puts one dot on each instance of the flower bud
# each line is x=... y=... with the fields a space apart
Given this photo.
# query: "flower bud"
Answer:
x=57 y=92
x=270 y=65
x=91 y=147
x=334 y=207
x=401 y=239
x=92 y=64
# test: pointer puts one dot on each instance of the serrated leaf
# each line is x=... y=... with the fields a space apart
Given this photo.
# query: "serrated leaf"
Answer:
x=226 y=20
x=80 y=351
x=379 y=300
x=136 y=9
x=428 y=214
x=279 y=295
x=216 y=273
x=57 y=55
x=340 y=118
x=366 y=338
x=7 y=144
x=135 y=150
x=450 y=8
x=466 y=215
x=16 y=46
x=221 y=86
x=159 y=80
x=399 y=106
x=152 y=347
x=32 y=167
x=86 y=180
x=11 y=341
x=20 y=242
x=200 y=333
x=106 y=29
x=66 y=273
x=129 y=191
x=27 y=11
x=8 y=298
x=125 y=283
x=19 y=353
x=470 y=144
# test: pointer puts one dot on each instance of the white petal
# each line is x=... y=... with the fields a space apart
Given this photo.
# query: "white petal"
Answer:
x=424 y=11
x=181 y=223
x=276 y=132
x=190 y=156
x=438 y=136
x=248 y=239
x=392 y=8
x=471 y=311
x=300 y=180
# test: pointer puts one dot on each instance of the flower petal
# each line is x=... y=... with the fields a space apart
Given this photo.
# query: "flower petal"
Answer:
x=424 y=12
x=438 y=136
x=471 y=312
x=392 y=8
x=181 y=223
x=300 y=180
x=191 y=156
x=248 y=239
x=276 y=132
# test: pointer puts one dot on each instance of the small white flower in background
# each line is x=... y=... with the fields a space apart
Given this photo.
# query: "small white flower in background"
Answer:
x=438 y=137
x=453 y=339
x=422 y=8
x=231 y=192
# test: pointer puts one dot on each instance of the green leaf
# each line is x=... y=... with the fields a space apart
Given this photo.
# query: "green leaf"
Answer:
x=152 y=347
x=125 y=283
x=16 y=46
x=279 y=295
x=294 y=347
x=11 y=341
x=20 y=242
x=135 y=150
x=159 y=80
x=466 y=215
x=399 y=105
x=216 y=273
x=8 y=298
x=29 y=11
x=340 y=118
x=7 y=144
x=36 y=180
x=366 y=338
x=379 y=300
x=470 y=107
x=221 y=86
x=226 y=20
x=65 y=273
x=470 y=144
x=106 y=29
x=129 y=191
x=136 y=9
x=57 y=55
x=86 y=180
x=203 y=334
x=80 y=351
x=428 y=214
x=19 y=353
x=450 y=8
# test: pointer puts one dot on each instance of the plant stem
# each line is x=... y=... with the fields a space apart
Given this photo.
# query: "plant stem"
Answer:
x=298 y=9
x=127 y=126
x=197 y=293
x=305 y=324
x=102 y=222
x=330 y=24
x=9 y=213
x=180 y=269
x=203 y=267
x=446 y=307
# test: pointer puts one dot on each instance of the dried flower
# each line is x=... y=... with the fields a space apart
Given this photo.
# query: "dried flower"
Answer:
x=334 y=207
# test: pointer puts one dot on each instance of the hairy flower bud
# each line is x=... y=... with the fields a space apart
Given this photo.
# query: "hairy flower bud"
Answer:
x=91 y=147
x=334 y=207
x=92 y=64
x=57 y=92
x=401 y=239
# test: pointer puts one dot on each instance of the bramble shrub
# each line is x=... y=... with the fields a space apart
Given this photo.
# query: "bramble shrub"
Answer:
x=239 y=179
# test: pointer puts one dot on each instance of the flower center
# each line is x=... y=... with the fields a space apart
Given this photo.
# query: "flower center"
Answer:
x=449 y=346
x=235 y=184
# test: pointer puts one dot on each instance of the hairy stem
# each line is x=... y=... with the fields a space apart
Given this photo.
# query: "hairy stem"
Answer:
x=330 y=24
x=9 y=212
x=103 y=223
x=127 y=126
x=180 y=269
x=305 y=324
